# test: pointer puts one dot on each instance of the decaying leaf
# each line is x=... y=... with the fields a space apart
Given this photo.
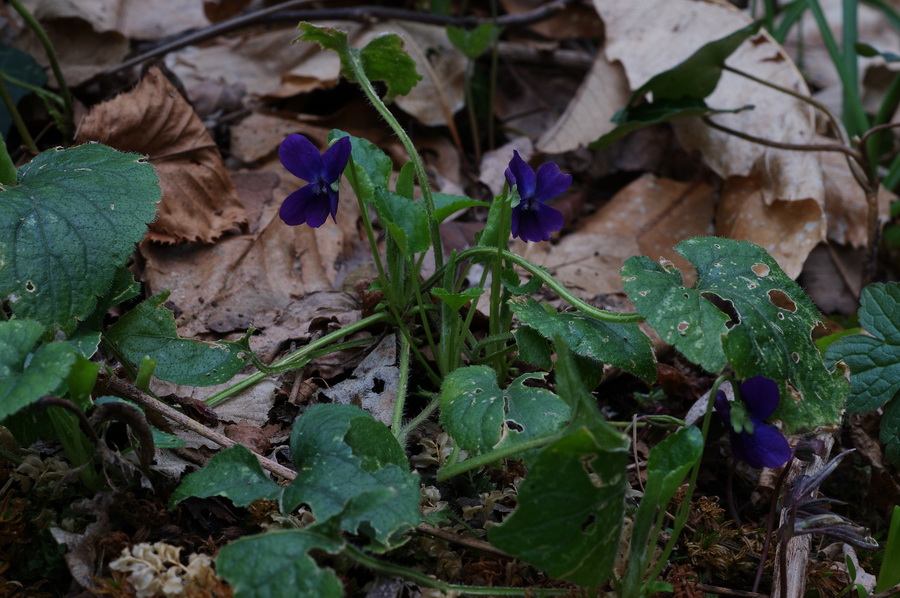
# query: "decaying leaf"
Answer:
x=440 y=93
x=199 y=200
x=589 y=115
x=634 y=35
x=136 y=19
x=649 y=216
x=83 y=51
x=373 y=385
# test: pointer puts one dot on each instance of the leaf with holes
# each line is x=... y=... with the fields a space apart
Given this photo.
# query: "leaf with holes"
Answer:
x=874 y=361
x=71 y=220
x=278 y=565
x=746 y=311
x=350 y=465
x=621 y=345
x=571 y=507
x=149 y=329
x=480 y=417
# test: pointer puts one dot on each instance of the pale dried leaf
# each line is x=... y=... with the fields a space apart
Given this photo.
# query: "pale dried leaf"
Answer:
x=845 y=201
x=589 y=115
x=649 y=216
x=770 y=177
x=249 y=407
x=441 y=92
x=136 y=19
x=788 y=230
x=199 y=200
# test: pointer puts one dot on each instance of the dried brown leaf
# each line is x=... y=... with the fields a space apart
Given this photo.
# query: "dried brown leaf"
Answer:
x=136 y=19
x=788 y=230
x=199 y=200
x=649 y=216
x=772 y=178
x=589 y=115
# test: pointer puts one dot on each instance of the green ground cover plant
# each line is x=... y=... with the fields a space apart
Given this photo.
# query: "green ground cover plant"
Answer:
x=743 y=320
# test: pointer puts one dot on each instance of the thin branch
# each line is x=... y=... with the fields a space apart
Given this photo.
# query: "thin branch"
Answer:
x=473 y=543
x=704 y=587
x=801 y=147
x=363 y=14
x=873 y=130
x=132 y=393
x=835 y=123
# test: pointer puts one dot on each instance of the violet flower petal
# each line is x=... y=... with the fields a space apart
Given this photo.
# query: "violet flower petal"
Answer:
x=306 y=205
x=766 y=447
x=521 y=175
x=335 y=159
x=301 y=158
x=551 y=182
x=535 y=223
x=761 y=396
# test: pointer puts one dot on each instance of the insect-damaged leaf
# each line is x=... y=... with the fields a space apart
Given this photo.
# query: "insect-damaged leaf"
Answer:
x=766 y=331
x=481 y=417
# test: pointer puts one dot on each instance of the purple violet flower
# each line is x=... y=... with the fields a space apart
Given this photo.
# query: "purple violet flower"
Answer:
x=532 y=219
x=314 y=202
x=752 y=440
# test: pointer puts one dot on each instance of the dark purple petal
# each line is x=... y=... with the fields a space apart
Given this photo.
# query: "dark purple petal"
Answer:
x=761 y=396
x=535 y=224
x=301 y=158
x=551 y=182
x=308 y=205
x=766 y=447
x=723 y=407
x=519 y=173
x=335 y=158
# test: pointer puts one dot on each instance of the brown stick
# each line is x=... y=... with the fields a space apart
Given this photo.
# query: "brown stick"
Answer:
x=364 y=14
x=132 y=393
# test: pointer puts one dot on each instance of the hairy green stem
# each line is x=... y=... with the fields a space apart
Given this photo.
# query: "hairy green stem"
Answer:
x=417 y=420
x=427 y=581
x=38 y=29
x=359 y=74
x=607 y=316
x=403 y=381
x=298 y=356
x=471 y=463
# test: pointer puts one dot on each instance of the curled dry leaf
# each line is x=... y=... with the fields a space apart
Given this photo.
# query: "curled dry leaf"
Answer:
x=635 y=32
x=199 y=200
x=277 y=279
x=268 y=64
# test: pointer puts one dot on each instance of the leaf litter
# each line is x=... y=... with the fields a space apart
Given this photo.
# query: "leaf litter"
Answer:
x=231 y=264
